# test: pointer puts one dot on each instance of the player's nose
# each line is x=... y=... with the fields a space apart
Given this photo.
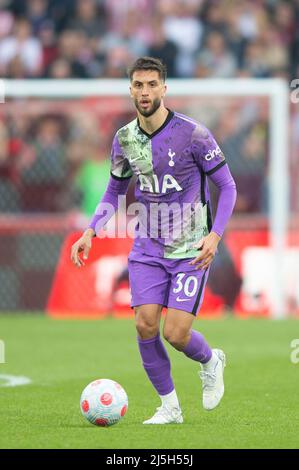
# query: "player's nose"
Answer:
x=145 y=91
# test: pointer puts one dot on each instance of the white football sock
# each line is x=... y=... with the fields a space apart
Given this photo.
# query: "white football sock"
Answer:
x=211 y=363
x=170 y=400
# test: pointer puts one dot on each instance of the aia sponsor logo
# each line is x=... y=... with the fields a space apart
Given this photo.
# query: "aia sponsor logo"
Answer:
x=152 y=185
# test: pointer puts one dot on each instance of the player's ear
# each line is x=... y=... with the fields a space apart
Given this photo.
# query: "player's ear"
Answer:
x=131 y=92
x=165 y=90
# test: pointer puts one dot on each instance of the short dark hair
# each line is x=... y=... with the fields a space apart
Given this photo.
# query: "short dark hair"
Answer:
x=148 y=63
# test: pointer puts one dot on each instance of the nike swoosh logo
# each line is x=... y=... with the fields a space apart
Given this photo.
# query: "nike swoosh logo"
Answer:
x=181 y=300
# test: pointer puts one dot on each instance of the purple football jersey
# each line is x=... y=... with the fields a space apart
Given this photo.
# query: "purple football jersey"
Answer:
x=171 y=166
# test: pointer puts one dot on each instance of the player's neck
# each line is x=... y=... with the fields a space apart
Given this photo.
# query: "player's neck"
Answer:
x=155 y=121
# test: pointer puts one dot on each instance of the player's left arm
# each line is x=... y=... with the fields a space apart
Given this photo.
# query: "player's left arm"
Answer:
x=211 y=160
x=224 y=181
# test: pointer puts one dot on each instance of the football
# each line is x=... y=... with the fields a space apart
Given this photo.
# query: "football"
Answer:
x=103 y=402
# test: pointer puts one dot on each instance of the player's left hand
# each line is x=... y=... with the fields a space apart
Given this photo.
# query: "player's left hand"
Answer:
x=208 y=246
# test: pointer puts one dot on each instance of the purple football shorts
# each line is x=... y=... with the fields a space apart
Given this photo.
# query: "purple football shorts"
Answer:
x=172 y=283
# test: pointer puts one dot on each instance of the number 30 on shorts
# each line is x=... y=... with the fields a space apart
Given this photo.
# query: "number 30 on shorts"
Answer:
x=188 y=284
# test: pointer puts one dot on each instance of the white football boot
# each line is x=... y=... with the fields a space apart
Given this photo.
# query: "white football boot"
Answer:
x=166 y=415
x=212 y=381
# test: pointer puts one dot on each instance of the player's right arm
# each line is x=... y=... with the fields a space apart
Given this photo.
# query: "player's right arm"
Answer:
x=82 y=245
x=118 y=184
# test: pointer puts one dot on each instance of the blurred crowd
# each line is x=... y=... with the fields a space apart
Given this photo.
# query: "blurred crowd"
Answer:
x=195 y=38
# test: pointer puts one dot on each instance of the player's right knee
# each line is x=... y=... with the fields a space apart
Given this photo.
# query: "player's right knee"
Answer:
x=146 y=329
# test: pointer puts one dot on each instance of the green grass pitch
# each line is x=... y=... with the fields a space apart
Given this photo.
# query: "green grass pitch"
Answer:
x=259 y=409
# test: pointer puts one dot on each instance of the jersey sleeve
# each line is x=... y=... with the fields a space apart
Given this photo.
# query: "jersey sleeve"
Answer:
x=206 y=151
x=120 y=166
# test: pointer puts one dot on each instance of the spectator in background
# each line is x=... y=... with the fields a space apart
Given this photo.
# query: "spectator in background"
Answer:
x=18 y=124
x=87 y=152
x=60 y=68
x=6 y=23
x=92 y=172
x=163 y=48
x=117 y=61
x=251 y=18
x=252 y=169
x=224 y=279
x=285 y=22
x=37 y=14
x=243 y=138
x=254 y=64
x=15 y=69
x=60 y=12
x=183 y=27
x=124 y=40
x=43 y=178
x=15 y=6
x=72 y=48
x=89 y=19
x=22 y=47
x=247 y=157
x=215 y=60
x=275 y=55
x=235 y=40
x=48 y=42
x=118 y=12
x=214 y=18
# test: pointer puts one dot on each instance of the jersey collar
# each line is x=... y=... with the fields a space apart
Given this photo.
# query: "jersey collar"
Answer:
x=150 y=136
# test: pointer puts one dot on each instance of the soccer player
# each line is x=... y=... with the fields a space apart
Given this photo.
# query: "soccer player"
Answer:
x=172 y=155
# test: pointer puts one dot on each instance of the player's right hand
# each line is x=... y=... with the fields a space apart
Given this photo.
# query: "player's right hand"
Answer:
x=82 y=245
